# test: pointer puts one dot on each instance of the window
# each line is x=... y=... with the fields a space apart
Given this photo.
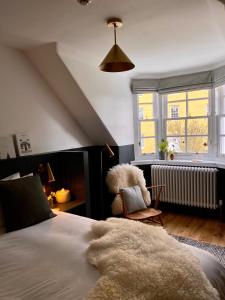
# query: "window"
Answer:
x=187 y=131
x=220 y=111
x=146 y=117
x=184 y=118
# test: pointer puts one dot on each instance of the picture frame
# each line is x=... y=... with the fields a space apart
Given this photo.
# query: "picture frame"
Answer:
x=23 y=144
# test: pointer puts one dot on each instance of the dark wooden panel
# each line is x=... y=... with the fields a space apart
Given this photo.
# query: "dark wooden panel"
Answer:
x=74 y=175
x=70 y=169
x=24 y=165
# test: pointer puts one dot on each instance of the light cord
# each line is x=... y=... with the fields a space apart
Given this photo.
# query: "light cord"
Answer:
x=114 y=33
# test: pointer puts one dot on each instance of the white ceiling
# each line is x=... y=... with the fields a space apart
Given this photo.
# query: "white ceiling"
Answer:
x=162 y=37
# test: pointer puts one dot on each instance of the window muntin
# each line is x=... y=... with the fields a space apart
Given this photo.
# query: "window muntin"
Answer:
x=146 y=105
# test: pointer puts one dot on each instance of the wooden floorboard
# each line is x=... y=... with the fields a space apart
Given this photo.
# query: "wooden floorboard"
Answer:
x=198 y=228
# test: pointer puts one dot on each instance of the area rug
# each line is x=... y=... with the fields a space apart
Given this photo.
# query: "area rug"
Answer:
x=217 y=251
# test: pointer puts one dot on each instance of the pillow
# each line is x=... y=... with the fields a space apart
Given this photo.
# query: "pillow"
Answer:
x=24 y=203
x=132 y=198
x=11 y=177
x=2 y=223
x=30 y=174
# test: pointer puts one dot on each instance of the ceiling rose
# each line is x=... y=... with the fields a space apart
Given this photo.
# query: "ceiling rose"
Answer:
x=84 y=2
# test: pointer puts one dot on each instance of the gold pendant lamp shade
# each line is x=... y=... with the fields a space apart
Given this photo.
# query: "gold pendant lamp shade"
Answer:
x=116 y=60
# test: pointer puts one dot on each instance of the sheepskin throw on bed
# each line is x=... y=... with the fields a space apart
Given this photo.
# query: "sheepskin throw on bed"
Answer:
x=139 y=261
x=123 y=176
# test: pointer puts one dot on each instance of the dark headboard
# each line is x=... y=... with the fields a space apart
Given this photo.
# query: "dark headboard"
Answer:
x=70 y=169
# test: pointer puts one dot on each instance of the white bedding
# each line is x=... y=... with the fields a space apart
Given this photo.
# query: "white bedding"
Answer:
x=47 y=261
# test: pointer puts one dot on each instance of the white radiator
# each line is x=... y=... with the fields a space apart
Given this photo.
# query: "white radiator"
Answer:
x=192 y=186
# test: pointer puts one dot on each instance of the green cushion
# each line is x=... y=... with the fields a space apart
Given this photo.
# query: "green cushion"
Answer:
x=133 y=199
x=23 y=202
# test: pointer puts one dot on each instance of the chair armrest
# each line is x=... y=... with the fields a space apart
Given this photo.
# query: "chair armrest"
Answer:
x=155 y=186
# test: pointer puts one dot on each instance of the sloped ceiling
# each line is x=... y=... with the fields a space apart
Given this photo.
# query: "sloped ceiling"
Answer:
x=162 y=37
x=48 y=62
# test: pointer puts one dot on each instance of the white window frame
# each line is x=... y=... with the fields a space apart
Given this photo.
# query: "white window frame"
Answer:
x=137 y=131
x=190 y=155
x=220 y=108
x=160 y=127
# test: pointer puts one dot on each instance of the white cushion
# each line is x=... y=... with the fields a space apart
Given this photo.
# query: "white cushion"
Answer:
x=133 y=199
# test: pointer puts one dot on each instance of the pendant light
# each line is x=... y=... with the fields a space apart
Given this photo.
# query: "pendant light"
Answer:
x=116 y=60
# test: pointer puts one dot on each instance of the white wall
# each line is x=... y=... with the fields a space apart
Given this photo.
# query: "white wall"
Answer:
x=47 y=61
x=28 y=104
x=108 y=93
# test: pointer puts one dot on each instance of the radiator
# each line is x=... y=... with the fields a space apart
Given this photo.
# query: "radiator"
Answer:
x=192 y=186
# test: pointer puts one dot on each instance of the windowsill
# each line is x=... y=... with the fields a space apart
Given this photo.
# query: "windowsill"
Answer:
x=177 y=162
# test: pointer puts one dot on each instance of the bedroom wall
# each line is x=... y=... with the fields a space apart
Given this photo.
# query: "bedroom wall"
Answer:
x=46 y=60
x=28 y=104
x=108 y=93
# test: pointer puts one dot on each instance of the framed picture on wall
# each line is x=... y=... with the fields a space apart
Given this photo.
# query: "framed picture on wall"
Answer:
x=7 y=149
x=23 y=143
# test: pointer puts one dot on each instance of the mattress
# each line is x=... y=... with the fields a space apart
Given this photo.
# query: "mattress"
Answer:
x=48 y=261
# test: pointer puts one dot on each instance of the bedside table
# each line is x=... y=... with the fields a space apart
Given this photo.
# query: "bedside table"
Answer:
x=73 y=206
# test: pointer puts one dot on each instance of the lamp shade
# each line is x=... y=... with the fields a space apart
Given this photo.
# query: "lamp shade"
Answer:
x=116 y=61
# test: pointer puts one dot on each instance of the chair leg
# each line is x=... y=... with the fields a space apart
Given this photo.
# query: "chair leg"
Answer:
x=160 y=220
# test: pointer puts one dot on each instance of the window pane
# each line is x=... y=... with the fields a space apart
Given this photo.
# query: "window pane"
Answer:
x=175 y=127
x=147 y=145
x=198 y=108
x=197 y=144
x=222 y=145
x=145 y=111
x=198 y=94
x=145 y=98
x=176 y=144
x=176 y=96
x=148 y=128
x=197 y=126
x=222 y=125
x=177 y=110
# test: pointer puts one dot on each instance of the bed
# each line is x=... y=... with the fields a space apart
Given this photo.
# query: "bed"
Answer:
x=48 y=261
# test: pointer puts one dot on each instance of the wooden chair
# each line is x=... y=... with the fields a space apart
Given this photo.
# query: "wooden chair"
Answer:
x=124 y=176
x=150 y=214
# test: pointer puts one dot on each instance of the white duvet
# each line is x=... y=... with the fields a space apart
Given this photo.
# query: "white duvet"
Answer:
x=47 y=261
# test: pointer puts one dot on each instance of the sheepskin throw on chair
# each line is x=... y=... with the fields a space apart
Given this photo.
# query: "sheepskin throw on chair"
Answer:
x=123 y=176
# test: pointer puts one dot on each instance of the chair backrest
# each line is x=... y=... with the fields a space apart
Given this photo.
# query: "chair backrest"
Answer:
x=122 y=176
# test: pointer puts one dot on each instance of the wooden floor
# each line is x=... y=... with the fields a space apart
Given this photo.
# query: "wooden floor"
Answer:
x=198 y=228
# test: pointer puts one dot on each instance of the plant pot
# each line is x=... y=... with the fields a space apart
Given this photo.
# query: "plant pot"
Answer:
x=171 y=156
x=162 y=155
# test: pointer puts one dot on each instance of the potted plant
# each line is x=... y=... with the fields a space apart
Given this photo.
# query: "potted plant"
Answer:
x=163 y=149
